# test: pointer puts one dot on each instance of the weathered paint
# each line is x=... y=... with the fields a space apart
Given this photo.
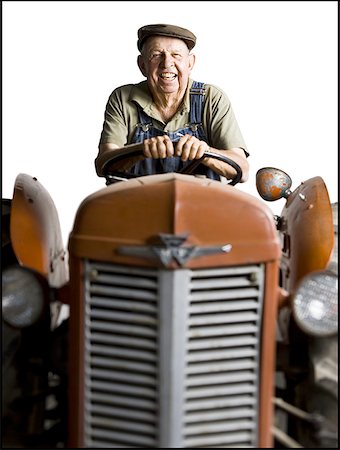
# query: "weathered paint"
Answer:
x=133 y=213
x=272 y=184
x=212 y=214
x=306 y=231
x=35 y=231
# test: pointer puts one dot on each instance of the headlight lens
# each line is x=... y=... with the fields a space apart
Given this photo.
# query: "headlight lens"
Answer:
x=23 y=296
x=315 y=304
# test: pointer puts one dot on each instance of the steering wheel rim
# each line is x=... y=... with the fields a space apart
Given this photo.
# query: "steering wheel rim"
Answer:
x=137 y=150
x=209 y=154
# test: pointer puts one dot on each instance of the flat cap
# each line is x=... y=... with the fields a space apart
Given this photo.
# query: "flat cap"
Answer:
x=165 y=30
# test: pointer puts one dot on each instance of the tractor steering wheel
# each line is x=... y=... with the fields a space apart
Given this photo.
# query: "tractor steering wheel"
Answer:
x=112 y=173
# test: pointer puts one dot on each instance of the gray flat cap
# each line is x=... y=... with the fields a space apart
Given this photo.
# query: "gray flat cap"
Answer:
x=165 y=30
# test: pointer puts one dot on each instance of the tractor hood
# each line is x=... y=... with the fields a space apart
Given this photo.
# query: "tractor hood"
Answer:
x=171 y=220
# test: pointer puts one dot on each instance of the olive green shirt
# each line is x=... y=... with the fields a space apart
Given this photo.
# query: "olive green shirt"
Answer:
x=121 y=116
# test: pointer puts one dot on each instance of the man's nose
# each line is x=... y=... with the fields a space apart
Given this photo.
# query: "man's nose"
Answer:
x=168 y=60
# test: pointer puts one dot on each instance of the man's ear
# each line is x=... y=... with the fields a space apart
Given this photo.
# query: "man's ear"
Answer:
x=192 y=59
x=141 y=65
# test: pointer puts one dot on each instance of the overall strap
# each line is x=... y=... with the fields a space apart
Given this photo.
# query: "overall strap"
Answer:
x=144 y=128
x=197 y=93
x=145 y=122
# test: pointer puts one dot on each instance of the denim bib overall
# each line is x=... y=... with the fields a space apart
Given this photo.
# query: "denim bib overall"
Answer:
x=146 y=130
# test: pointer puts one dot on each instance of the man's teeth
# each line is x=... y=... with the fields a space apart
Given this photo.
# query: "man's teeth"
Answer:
x=168 y=76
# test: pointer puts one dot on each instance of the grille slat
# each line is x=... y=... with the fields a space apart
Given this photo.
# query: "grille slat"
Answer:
x=122 y=388
x=224 y=366
x=203 y=405
x=121 y=437
x=207 y=320
x=218 y=307
x=237 y=282
x=232 y=389
x=216 y=427
x=127 y=292
x=216 y=355
x=123 y=353
x=115 y=375
x=121 y=400
x=216 y=273
x=123 y=341
x=123 y=329
x=222 y=342
x=223 y=294
x=99 y=268
x=220 y=439
x=201 y=332
x=119 y=303
x=118 y=364
x=220 y=379
x=144 y=416
x=208 y=416
x=128 y=425
x=123 y=280
x=139 y=319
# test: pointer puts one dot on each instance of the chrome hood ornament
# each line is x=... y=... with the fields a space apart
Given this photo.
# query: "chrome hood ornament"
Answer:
x=171 y=248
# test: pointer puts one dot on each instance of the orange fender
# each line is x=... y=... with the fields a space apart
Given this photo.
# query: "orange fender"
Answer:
x=35 y=231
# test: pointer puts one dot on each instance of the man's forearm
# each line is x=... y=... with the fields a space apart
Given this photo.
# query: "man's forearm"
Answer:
x=224 y=169
x=105 y=153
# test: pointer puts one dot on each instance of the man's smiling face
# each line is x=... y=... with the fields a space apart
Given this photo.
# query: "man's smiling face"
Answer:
x=167 y=64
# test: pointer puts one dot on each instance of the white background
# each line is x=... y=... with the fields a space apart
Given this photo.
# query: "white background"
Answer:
x=276 y=60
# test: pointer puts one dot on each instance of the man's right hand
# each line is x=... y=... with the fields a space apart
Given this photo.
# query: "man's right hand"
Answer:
x=158 y=147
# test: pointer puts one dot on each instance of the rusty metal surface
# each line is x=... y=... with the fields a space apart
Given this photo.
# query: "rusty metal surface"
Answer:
x=273 y=184
x=76 y=379
x=35 y=231
x=268 y=355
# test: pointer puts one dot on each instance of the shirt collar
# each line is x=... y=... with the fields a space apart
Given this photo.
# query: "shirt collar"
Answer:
x=140 y=94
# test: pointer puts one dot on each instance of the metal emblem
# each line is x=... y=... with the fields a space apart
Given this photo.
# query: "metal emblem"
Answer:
x=171 y=248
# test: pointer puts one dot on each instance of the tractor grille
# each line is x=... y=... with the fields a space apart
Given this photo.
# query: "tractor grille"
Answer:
x=221 y=395
x=171 y=357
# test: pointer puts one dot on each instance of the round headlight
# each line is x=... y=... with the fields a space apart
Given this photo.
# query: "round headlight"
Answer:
x=315 y=304
x=22 y=296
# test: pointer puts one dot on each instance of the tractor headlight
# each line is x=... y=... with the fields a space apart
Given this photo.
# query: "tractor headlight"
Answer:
x=23 y=296
x=315 y=304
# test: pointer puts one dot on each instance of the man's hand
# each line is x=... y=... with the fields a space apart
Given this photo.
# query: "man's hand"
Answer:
x=158 y=147
x=189 y=148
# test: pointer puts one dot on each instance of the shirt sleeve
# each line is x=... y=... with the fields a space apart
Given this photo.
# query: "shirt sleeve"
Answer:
x=220 y=122
x=115 y=129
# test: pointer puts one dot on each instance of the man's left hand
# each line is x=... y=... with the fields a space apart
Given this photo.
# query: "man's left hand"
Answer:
x=189 y=148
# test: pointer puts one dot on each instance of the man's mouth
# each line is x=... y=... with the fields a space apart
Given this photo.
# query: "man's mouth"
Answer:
x=168 y=76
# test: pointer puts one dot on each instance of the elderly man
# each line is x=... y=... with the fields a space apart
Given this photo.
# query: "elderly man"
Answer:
x=177 y=119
